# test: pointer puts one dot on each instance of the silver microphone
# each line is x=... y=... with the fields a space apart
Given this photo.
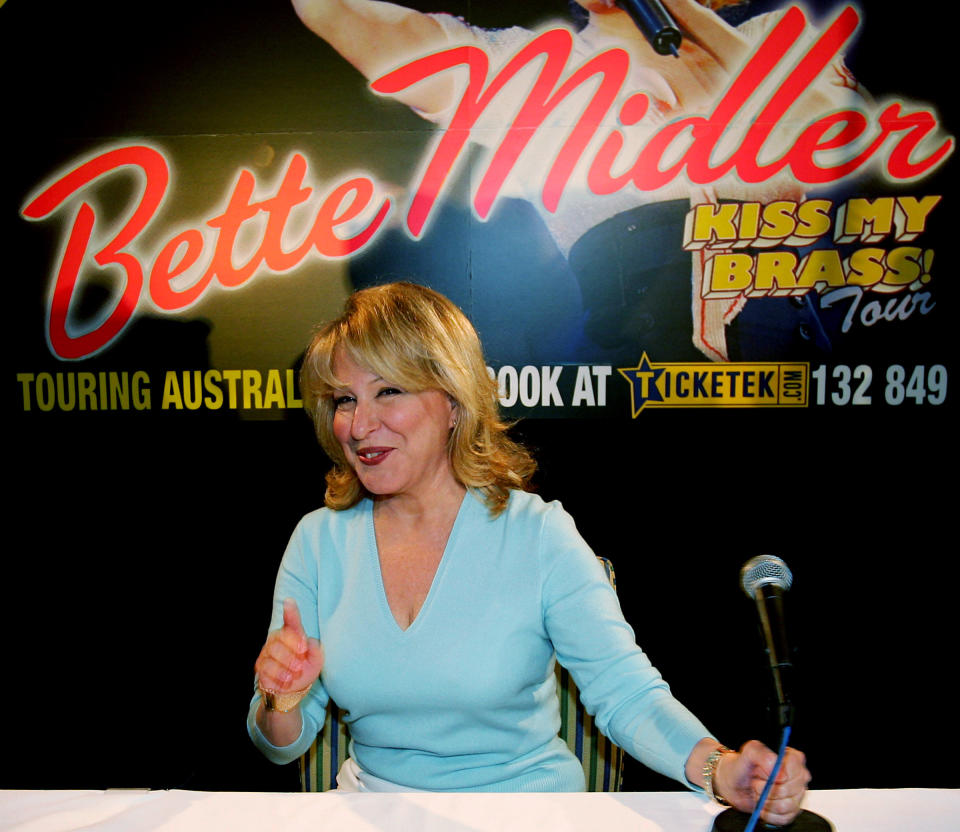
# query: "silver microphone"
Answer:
x=765 y=579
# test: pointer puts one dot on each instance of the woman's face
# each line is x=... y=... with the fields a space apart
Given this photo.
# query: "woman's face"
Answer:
x=396 y=441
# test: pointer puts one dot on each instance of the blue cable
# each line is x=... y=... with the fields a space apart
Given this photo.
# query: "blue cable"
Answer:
x=770 y=781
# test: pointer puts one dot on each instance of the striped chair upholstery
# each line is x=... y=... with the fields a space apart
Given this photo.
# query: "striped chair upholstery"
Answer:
x=602 y=760
x=322 y=760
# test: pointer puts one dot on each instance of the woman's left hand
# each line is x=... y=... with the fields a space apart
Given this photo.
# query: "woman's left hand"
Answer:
x=741 y=777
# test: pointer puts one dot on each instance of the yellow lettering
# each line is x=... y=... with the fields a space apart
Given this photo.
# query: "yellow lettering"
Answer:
x=727 y=275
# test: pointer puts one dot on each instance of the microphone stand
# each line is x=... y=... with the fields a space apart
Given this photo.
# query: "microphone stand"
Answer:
x=778 y=654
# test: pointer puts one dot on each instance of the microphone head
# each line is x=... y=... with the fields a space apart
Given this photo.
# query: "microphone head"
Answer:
x=763 y=570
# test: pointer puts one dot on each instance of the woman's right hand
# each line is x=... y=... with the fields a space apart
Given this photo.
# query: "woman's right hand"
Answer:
x=290 y=660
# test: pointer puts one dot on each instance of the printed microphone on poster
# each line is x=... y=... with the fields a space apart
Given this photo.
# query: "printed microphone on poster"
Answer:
x=656 y=23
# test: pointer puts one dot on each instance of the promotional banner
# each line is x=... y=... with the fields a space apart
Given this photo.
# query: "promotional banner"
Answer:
x=711 y=274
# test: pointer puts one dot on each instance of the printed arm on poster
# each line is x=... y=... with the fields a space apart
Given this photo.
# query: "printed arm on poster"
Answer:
x=377 y=37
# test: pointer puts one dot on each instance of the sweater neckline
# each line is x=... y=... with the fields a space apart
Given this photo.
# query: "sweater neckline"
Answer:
x=448 y=554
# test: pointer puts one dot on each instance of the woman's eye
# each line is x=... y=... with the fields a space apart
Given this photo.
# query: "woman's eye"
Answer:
x=390 y=391
x=341 y=401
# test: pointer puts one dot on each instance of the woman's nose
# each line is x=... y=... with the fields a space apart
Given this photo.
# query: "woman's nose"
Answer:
x=364 y=421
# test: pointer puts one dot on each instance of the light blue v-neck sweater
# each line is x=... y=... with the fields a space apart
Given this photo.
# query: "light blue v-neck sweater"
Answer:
x=465 y=698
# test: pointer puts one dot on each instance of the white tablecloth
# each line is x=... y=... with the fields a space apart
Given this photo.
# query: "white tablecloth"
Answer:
x=856 y=810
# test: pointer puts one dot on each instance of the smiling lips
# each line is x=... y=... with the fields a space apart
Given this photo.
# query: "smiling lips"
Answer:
x=373 y=456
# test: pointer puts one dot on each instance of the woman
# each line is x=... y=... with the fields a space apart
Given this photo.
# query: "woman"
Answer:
x=433 y=592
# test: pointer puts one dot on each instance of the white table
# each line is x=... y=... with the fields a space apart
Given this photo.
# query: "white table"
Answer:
x=855 y=810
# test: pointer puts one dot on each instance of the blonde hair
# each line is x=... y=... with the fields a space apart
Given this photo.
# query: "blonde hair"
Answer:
x=415 y=338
